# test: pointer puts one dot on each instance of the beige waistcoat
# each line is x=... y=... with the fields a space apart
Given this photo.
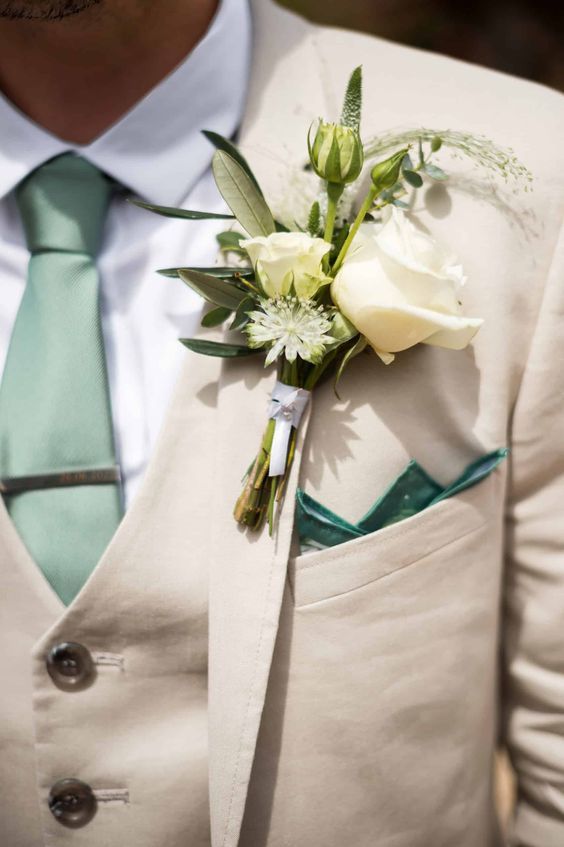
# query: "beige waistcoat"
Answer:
x=138 y=733
x=355 y=695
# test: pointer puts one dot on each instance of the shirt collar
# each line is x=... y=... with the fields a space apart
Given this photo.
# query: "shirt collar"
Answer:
x=156 y=149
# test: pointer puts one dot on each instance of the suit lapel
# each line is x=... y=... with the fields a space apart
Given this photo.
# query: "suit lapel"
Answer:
x=247 y=572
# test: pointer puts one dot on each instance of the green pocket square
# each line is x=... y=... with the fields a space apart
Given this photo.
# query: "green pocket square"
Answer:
x=413 y=491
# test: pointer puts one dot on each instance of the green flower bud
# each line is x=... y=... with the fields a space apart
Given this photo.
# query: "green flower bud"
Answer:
x=336 y=152
x=385 y=174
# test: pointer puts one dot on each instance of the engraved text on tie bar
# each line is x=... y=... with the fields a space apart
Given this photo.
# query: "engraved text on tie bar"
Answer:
x=63 y=479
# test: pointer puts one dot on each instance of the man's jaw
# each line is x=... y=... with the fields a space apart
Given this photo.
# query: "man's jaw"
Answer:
x=44 y=10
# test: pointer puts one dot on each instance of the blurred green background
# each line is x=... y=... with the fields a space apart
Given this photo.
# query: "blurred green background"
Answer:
x=521 y=37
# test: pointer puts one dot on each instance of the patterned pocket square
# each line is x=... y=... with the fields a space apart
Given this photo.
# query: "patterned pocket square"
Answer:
x=413 y=491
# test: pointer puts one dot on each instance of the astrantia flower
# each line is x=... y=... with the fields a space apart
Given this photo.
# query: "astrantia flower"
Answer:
x=292 y=327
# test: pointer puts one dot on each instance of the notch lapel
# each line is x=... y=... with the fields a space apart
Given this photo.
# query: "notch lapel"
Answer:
x=248 y=571
x=247 y=578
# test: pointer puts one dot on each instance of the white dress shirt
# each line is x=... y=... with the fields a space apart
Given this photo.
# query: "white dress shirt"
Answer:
x=158 y=152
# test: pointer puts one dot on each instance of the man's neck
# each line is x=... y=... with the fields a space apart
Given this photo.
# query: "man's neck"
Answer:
x=77 y=76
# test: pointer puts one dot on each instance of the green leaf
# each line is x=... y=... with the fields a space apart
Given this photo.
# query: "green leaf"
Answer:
x=171 y=212
x=357 y=348
x=436 y=143
x=342 y=330
x=222 y=273
x=227 y=146
x=230 y=241
x=406 y=163
x=216 y=348
x=352 y=107
x=333 y=162
x=241 y=195
x=241 y=315
x=413 y=179
x=314 y=220
x=215 y=317
x=420 y=151
x=220 y=292
x=434 y=172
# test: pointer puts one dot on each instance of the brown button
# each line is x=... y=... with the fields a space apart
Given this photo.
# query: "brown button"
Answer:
x=70 y=666
x=72 y=803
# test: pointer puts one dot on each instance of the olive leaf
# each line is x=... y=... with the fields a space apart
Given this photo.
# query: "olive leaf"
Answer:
x=230 y=241
x=241 y=195
x=215 y=317
x=221 y=272
x=220 y=292
x=172 y=212
x=216 y=348
x=221 y=143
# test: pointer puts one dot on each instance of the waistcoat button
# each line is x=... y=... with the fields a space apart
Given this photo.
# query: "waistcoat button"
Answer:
x=70 y=666
x=72 y=803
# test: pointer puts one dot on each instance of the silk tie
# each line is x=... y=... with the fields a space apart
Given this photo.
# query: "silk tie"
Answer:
x=57 y=454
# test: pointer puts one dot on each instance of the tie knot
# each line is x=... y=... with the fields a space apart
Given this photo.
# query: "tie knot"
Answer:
x=63 y=205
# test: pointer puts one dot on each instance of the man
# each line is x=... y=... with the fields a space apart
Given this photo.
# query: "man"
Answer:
x=354 y=695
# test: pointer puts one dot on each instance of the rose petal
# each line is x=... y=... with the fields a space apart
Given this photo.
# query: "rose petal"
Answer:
x=396 y=329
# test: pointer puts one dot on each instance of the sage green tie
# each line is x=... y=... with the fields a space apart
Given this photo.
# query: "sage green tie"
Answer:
x=57 y=455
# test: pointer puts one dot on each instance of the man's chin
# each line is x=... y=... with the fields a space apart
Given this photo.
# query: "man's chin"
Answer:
x=44 y=10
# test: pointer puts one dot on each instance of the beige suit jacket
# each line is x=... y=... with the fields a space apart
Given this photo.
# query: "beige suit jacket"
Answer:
x=400 y=657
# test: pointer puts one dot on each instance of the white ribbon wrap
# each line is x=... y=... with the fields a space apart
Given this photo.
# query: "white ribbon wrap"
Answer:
x=286 y=408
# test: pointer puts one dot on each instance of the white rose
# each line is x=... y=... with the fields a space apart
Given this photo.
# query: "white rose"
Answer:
x=284 y=258
x=399 y=288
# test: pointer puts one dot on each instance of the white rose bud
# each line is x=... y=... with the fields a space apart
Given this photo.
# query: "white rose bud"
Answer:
x=399 y=288
x=284 y=258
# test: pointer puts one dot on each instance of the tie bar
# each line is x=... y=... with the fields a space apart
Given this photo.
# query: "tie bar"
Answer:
x=63 y=479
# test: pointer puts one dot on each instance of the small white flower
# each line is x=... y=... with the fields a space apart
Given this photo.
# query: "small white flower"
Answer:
x=291 y=326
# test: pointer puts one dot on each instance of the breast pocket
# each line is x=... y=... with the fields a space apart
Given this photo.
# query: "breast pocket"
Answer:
x=347 y=567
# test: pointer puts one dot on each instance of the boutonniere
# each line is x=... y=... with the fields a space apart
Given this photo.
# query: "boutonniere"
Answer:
x=311 y=298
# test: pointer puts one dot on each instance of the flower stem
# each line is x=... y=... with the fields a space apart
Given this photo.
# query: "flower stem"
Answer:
x=252 y=504
x=334 y=194
x=366 y=206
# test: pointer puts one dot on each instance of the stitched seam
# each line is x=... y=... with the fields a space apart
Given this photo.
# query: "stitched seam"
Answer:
x=350 y=553
x=395 y=570
x=112 y=795
x=108 y=660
